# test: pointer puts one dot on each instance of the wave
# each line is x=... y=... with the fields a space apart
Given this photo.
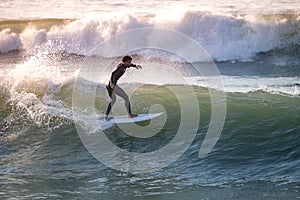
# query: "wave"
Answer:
x=47 y=103
x=255 y=122
x=224 y=37
x=39 y=89
x=286 y=86
x=36 y=98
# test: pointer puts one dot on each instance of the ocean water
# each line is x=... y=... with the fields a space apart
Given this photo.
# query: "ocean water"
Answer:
x=225 y=74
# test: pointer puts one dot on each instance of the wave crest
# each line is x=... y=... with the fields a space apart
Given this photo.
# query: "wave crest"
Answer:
x=225 y=37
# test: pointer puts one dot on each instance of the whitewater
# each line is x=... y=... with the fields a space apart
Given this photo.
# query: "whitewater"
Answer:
x=225 y=37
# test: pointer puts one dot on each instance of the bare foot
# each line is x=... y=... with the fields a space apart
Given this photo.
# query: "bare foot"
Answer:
x=132 y=115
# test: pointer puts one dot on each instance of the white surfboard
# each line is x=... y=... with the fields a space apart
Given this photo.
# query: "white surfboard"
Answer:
x=139 y=118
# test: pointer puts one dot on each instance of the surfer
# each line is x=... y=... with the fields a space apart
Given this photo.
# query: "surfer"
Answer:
x=113 y=89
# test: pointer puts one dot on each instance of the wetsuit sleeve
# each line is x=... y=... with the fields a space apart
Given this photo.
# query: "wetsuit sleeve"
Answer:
x=133 y=65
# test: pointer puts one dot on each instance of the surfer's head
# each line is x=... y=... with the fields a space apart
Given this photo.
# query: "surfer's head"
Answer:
x=127 y=60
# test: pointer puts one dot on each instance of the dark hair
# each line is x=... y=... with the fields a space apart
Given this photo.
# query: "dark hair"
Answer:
x=126 y=58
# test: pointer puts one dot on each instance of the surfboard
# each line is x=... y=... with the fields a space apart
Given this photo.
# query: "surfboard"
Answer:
x=140 y=118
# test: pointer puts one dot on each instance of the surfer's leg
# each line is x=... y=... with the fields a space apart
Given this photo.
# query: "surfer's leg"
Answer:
x=112 y=95
x=120 y=92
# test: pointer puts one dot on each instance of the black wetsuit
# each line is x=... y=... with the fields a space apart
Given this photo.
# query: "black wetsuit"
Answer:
x=121 y=69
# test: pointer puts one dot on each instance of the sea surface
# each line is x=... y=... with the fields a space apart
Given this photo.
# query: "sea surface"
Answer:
x=225 y=74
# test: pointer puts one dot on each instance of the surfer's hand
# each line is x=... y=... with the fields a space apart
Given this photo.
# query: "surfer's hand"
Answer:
x=138 y=67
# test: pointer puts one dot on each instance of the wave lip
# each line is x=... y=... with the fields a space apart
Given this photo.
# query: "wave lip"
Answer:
x=9 y=41
x=225 y=37
x=241 y=37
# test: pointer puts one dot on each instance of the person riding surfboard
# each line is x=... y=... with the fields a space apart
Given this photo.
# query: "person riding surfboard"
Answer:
x=113 y=89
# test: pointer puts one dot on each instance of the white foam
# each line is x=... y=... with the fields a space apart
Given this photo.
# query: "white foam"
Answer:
x=9 y=41
x=239 y=37
x=32 y=38
x=238 y=84
x=224 y=37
